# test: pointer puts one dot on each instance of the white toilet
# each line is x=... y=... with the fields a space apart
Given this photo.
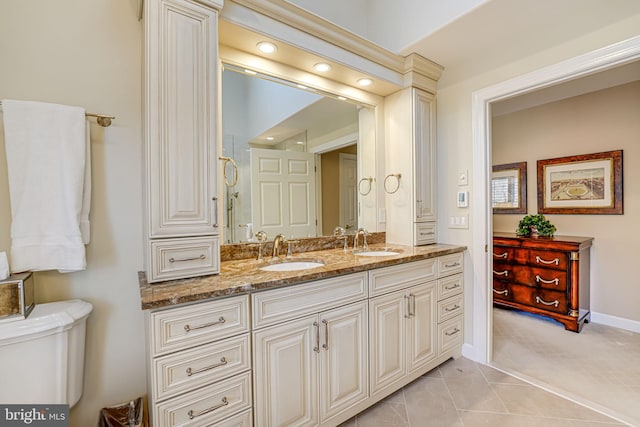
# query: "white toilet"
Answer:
x=42 y=356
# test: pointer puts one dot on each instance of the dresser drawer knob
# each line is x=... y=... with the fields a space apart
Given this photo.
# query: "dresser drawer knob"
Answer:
x=555 y=261
x=504 y=255
x=455 y=331
x=220 y=321
x=555 y=281
x=505 y=292
x=555 y=303
x=223 y=361
x=501 y=273
x=193 y=415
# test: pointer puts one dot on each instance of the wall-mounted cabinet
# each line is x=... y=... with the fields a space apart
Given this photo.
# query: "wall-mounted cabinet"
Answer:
x=180 y=138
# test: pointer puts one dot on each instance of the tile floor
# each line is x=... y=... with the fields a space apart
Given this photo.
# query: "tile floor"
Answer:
x=599 y=367
x=462 y=393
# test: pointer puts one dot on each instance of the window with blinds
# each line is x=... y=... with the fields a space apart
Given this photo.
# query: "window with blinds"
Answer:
x=504 y=192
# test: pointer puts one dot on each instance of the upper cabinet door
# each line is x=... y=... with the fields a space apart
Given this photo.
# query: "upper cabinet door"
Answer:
x=181 y=115
x=424 y=109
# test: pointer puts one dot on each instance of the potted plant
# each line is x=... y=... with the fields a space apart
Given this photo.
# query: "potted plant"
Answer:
x=535 y=225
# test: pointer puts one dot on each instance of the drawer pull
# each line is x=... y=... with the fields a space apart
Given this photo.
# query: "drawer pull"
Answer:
x=317 y=347
x=450 y=309
x=501 y=273
x=193 y=415
x=455 y=331
x=504 y=255
x=555 y=261
x=541 y=301
x=455 y=264
x=555 y=281
x=431 y=233
x=326 y=334
x=223 y=361
x=505 y=292
x=172 y=260
x=188 y=328
x=450 y=288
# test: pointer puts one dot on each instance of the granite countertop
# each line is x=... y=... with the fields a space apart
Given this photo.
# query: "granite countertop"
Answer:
x=243 y=276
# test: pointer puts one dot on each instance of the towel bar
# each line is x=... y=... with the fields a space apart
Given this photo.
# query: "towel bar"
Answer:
x=104 y=121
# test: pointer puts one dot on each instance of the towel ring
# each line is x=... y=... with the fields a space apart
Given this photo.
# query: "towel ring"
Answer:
x=224 y=171
x=368 y=190
x=397 y=176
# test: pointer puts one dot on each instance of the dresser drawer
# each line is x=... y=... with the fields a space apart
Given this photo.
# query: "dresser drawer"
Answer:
x=450 y=308
x=184 y=257
x=401 y=276
x=540 y=298
x=539 y=277
x=278 y=305
x=450 y=264
x=189 y=369
x=503 y=254
x=548 y=259
x=450 y=286
x=425 y=233
x=206 y=406
x=450 y=335
x=501 y=291
x=183 y=327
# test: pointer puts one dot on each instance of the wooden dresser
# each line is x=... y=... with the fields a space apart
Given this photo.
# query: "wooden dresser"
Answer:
x=548 y=276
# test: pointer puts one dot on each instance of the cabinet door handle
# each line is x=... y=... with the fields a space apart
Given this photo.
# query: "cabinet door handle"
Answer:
x=326 y=334
x=501 y=273
x=220 y=321
x=541 y=301
x=455 y=331
x=408 y=307
x=540 y=279
x=504 y=255
x=193 y=415
x=413 y=305
x=555 y=261
x=215 y=212
x=317 y=347
x=505 y=292
x=172 y=260
x=223 y=361
x=450 y=288
x=450 y=309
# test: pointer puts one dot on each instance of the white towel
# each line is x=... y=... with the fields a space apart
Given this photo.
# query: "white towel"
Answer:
x=49 y=185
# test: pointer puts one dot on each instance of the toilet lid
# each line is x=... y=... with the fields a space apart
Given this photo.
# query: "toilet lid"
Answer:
x=46 y=318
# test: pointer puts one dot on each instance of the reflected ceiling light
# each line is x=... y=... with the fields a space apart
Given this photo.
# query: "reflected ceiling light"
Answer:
x=365 y=82
x=253 y=73
x=270 y=138
x=322 y=67
x=300 y=142
x=342 y=98
x=302 y=87
x=266 y=47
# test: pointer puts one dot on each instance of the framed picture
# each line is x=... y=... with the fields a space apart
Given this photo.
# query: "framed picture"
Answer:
x=585 y=184
x=509 y=188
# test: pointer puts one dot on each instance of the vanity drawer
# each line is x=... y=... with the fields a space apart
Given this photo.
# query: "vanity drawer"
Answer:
x=184 y=257
x=183 y=327
x=450 y=308
x=186 y=370
x=450 y=286
x=207 y=405
x=387 y=279
x=425 y=233
x=450 y=264
x=278 y=305
x=450 y=335
x=243 y=419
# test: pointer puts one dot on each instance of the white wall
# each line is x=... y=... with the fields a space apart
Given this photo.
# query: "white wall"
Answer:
x=600 y=121
x=455 y=149
x=88 y=53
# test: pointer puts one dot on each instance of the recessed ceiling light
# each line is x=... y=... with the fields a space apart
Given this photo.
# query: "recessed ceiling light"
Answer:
x=342 y=98
x=267 y=47
x=365 y=82
x=270 y=138
x=250 y=72
x=322 y=67
x=300 y=142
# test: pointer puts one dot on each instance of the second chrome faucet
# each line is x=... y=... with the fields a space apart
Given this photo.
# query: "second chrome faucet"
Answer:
x=364 y=233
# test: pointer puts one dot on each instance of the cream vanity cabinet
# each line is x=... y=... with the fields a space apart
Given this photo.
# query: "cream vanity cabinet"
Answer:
x=180 y=138
x=410 y=125
x=199 y=364
x=310 y=351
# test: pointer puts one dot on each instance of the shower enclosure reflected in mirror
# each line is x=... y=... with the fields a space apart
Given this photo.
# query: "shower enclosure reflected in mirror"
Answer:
x=296 y=151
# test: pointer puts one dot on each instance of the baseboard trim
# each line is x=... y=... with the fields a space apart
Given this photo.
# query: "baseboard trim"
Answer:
x=616 y=322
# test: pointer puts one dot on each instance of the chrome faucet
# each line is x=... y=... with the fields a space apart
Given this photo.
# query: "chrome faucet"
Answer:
x=364 y=239
x=261 y=236
x=277 y=242
x=340 y=234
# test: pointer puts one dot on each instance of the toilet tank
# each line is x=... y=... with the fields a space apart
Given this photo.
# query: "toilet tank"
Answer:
x=42 y=357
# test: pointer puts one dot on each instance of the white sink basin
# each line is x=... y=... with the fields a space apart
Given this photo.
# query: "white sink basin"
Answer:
x=292 y=265
x=377 y=253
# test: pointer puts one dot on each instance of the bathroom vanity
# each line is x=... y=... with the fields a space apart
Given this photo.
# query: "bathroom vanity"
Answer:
x=309 y=347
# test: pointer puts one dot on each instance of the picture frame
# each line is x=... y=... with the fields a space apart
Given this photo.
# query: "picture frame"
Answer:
x=582 y=184
x=509 y=188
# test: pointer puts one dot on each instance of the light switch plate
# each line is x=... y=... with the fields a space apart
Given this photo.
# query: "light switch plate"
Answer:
x=463 y=177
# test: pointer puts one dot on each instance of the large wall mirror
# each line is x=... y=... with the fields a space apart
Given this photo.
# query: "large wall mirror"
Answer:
x=298 y=153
